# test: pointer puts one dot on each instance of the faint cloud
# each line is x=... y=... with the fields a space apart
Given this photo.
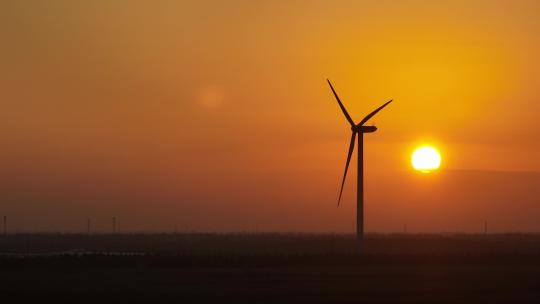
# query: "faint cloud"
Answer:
x=211 y=97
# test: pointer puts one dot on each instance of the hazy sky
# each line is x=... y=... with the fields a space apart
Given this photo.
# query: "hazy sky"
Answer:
x=215 y=115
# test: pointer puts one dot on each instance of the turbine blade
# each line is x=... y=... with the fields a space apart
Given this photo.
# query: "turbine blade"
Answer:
x=341 y=104
x=351 y=149
x=373 y=113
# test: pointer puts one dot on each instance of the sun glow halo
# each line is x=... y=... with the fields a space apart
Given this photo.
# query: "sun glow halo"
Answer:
x=426 y=159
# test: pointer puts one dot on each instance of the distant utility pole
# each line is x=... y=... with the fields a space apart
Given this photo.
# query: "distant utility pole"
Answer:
x=114 y=224
x=485 y=227
x=5 y=225
x=88 y=226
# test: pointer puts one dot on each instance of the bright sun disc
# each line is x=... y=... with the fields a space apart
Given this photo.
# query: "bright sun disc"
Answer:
x=426 y=159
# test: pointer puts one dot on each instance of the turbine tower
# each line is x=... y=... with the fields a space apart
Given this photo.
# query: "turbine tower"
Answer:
x=357 y=129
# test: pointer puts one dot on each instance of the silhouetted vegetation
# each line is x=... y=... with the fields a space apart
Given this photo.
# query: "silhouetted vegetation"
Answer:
x=266 y=243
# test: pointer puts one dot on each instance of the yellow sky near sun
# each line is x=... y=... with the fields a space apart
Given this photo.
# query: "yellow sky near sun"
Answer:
x=162 y=93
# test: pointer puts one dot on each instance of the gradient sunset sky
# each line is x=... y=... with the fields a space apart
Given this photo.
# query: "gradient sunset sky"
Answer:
x=216 y=115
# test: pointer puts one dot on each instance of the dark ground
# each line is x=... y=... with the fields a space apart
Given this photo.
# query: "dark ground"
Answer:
x=276 y=268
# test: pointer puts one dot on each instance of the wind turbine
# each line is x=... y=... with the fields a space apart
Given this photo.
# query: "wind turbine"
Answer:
x=357 y=129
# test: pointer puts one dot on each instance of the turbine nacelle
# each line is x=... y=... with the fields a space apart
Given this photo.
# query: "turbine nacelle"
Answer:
x=363 y=129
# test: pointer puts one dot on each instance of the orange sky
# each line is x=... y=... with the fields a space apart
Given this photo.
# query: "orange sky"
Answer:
x=215 y=115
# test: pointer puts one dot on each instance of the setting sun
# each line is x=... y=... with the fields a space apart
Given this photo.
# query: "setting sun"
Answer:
x=426 y=159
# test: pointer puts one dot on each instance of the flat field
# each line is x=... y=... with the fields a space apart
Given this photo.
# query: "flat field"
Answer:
x=271 y=268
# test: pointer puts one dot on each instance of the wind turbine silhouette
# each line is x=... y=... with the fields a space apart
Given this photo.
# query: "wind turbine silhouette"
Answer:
x=357 y=129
